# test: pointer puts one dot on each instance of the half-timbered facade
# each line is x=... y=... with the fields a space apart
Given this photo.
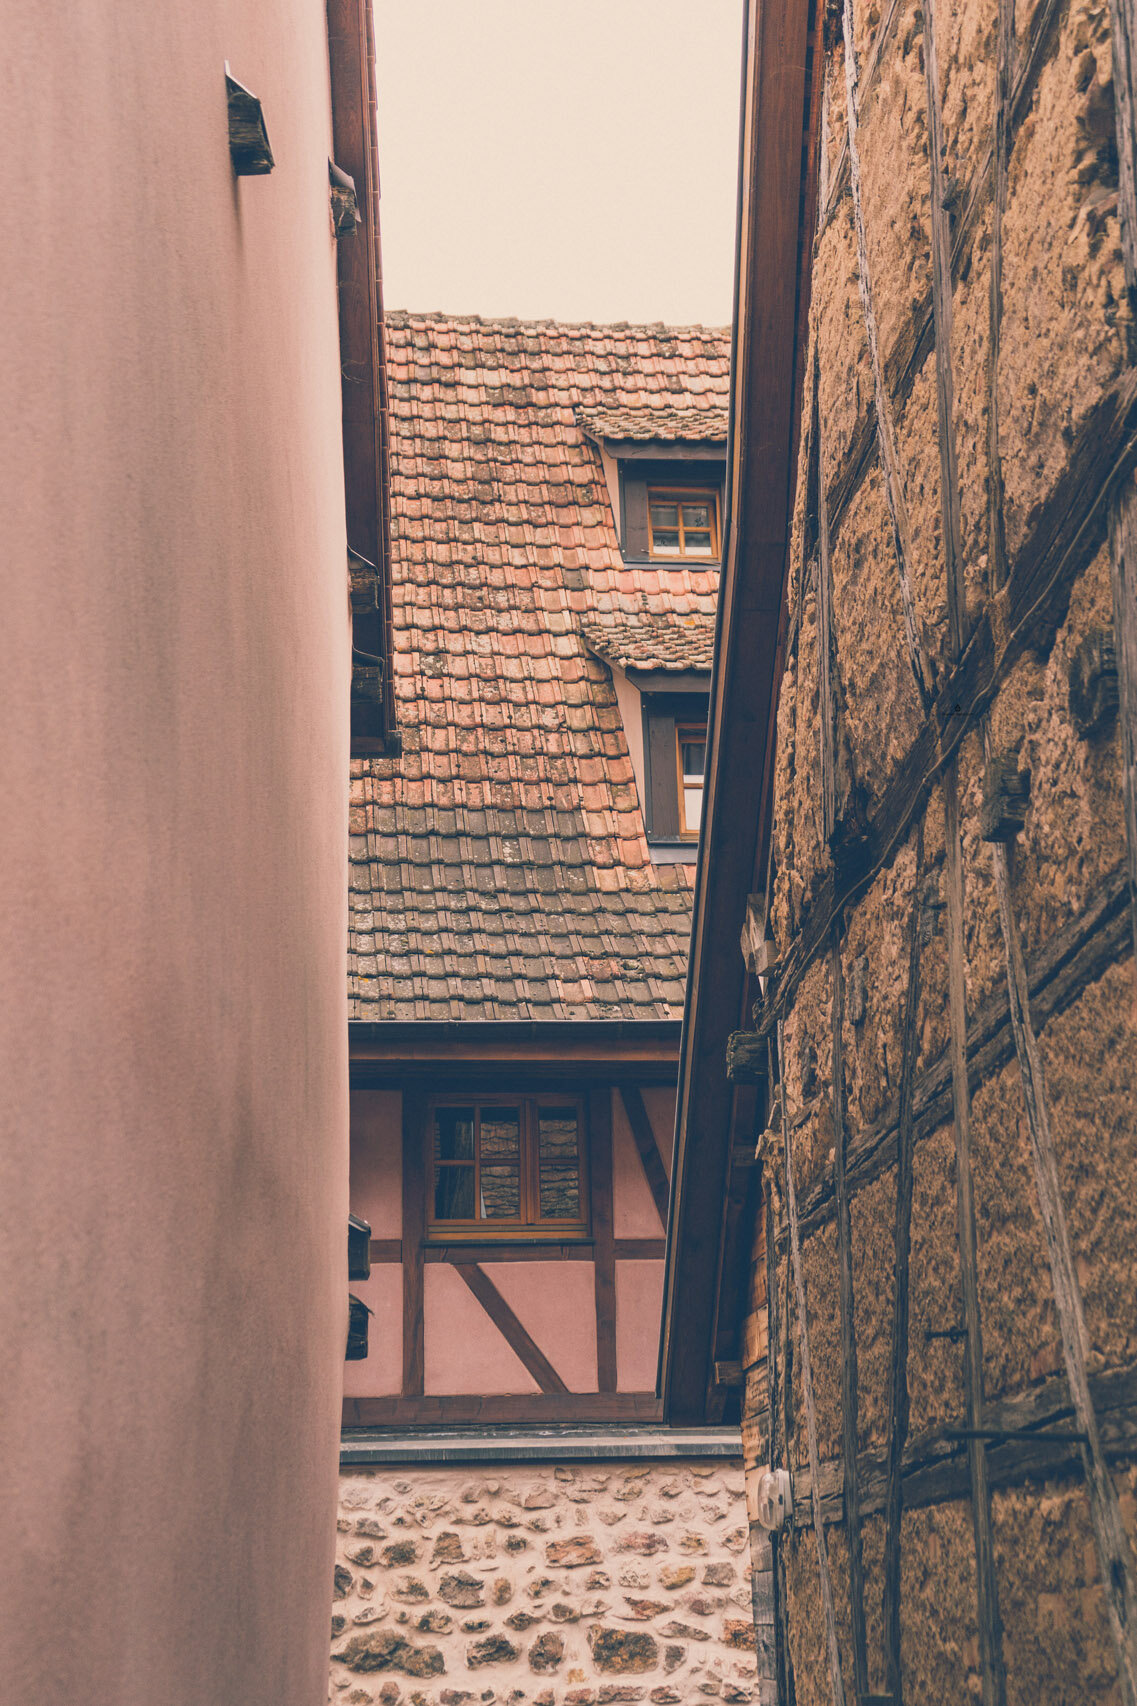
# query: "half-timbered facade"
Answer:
x=522 y=862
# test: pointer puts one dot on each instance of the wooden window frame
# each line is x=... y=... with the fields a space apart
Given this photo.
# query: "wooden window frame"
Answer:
x=679 y=495
x=694 y=727
x=664 y=714
x=704 y=473
x=528 y=1225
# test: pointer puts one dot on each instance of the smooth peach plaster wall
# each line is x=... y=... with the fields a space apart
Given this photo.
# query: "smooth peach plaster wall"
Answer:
x=174 y=656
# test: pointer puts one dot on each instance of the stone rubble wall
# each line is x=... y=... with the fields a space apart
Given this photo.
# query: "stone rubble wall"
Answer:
x=568 y=1585
x=1066 y=334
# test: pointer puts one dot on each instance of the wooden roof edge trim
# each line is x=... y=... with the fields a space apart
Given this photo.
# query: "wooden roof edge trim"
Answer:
x=394 y=1041
x=383 y=411
x=777 y=191
x=363 y=367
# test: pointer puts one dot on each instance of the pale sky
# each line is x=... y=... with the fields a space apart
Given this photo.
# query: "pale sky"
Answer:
x=572 y=159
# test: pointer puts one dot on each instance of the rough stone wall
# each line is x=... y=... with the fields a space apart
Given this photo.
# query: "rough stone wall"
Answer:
x=565 y=1585
x=1065 y=334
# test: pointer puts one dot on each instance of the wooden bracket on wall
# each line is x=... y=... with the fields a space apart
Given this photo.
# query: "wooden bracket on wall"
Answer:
x=757 y=949
x=346 y=216
x=1006 y=795
x=363 y=583
x=1094 y=690
x=746 y=1057
x=248 y=139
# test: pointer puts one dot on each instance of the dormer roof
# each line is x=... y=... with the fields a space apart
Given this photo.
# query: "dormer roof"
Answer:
x=648 y=640
x=701 y=426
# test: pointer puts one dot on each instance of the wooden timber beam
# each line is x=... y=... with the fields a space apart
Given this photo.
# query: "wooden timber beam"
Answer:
x=647 y=1051
x=533 y=1409
x=351 y=59
x=902 y=1244
x=604 y=1254
x=1114 y=1552
x=1123 y=520
x=519 y=1340
x=1069 y=527
x=1032 y=1438
x=832 y=1646
x=414 y=1230
x=646 y=1148
x=1074 y=957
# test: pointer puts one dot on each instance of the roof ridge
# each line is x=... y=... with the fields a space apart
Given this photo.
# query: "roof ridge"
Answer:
x=405 y=316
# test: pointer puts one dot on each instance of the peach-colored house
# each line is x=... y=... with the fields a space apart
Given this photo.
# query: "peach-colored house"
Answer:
x=176 y=660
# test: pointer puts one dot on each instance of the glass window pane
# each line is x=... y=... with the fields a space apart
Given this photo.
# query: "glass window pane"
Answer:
x=665 y=515
x=501 y=1163
x=696 y=515
x=697 y=545
x=558 y=1152
x=692 y=807
x=454 y=1134
x=693 y=756
x=560 y=1193
x=454 y=1193
x=664 y=541
x=501 y=1193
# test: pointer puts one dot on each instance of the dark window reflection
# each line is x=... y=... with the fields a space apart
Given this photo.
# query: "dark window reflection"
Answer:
x=454 y=1193
x=501 y=1163
x=454 y=1134
x=558 y=1164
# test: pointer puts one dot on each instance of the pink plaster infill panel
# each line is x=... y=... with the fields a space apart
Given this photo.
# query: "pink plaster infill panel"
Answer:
x=464 y=1350
x=556 y=1304
x=634 y=1212
x=380 y=1374
x=639 y=1302
x=660 y=1104
x=377 y=1160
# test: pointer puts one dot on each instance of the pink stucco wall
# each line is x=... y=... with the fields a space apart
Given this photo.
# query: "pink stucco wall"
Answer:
x=173 y=660
x=463 y=1350
x=377 y=1160
x=554 y=1300
x=556 y=1304
x=634 y=1214
x=380 y=1373
x=639 y=1302
x=659 y=1100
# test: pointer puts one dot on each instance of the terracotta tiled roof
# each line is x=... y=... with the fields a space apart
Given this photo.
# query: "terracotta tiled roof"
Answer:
x=498 y=867
x=703 y=425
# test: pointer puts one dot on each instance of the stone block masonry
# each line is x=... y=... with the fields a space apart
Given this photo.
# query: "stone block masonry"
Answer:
x=559 y=1585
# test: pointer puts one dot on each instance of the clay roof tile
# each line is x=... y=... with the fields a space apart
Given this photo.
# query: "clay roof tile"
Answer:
x=499 y=868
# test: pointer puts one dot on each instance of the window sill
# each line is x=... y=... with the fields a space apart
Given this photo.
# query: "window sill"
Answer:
x=483 y=1249
x=476 y=1235
x=673 y=852
x=633 y=561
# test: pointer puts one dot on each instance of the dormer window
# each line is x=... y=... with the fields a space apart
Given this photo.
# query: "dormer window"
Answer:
x=683 y=522
x=691 y=740
x=671 y=510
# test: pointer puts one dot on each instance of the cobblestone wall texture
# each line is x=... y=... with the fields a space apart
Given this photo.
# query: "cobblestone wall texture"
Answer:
x=568 y=1585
